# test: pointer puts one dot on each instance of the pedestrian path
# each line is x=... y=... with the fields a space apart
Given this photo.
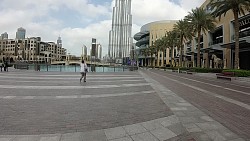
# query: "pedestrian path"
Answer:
x=127 y=106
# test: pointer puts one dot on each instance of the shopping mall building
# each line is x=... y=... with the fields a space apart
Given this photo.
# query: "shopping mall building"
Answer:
x=219 y=43
x=147 y=36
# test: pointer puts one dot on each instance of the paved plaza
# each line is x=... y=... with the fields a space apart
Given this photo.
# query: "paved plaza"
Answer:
x=120 y=106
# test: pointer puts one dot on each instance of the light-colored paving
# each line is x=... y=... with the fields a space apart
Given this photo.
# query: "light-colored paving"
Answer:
x=187 y=120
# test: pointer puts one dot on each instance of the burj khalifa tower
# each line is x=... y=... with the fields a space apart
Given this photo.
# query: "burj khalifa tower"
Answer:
x=120 y=38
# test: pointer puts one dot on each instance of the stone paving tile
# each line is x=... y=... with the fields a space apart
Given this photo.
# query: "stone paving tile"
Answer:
x=191 y=127
x=97 y=135
x=114 y=133
x=72 y=137
x=180 y=114
x=152 y=125
x=123 y=139
x=134 y=129
x=188 y=120
x=206 y=126
x=179 y=109
x=227 y=134
x=170 y=120
x=5 y=139
x=215 y=136
x=178 y=129
x=27 y=138
x=163 y=133
x=238 y=139
x=147 y=136
x=50 y=138
x=206 y=118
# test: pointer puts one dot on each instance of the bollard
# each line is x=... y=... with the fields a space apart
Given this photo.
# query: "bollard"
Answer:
x=103 y=68
x=75 y=68
x=60 y=68
x=47 y=67
x=114 y=68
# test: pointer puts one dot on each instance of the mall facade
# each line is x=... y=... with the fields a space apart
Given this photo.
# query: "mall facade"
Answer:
x=219 y=43
x=148 y=34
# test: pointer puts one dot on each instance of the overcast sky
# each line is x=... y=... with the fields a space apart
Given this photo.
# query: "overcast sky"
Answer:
x=77 y=21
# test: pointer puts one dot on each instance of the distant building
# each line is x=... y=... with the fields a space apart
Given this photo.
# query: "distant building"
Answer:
x=59 y=42
x=120 y=38
x=20 y=34
x=99 y=51
x=31 y=50
x=84 y=52
x=4 y=35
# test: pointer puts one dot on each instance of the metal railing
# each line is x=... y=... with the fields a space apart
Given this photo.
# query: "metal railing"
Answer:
x=72 y=68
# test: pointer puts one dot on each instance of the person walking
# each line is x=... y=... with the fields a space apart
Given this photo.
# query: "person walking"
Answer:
x=6 y=65
x=83 y=71
x=1 y=66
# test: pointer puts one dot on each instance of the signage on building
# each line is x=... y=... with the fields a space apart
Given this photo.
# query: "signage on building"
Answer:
x=244 y=22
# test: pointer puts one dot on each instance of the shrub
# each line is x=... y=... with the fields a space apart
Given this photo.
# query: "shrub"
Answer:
x=206 y=70
x=239 y=73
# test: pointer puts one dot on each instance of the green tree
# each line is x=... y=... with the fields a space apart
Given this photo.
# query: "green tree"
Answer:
x=152 y=51
x=200 y=21
x=158 y=45
x=172 y=41
x=221 y=7
x=183 y=30
x=145 y=53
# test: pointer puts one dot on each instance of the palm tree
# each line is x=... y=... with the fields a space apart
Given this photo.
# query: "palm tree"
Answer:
x=201 y=21
x=171 y=41
x=237 y=6
x=152 y=51
x=144 y=52
x=158 y=45
x=183 y=30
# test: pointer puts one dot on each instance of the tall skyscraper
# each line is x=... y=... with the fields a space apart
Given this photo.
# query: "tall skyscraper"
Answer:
x=93 y=48
x=99 y=51
x=4 y=35
x=120 y=38
x=84 y=52
x=59 y=42
x=20 y=34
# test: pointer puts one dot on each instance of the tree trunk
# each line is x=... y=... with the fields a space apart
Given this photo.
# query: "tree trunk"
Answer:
x=237 y=44
x=171 y=62
x=181 y=52
x=199 y=49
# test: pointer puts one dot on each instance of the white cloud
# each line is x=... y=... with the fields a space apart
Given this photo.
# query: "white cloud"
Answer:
x=187 y=5
x=75 y=38
x=145 y=11
x=30 y=13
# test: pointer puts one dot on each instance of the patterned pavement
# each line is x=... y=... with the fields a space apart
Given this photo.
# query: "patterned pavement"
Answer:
x=126 y=106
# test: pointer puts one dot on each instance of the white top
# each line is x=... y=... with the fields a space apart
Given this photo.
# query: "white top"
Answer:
x=83 y=67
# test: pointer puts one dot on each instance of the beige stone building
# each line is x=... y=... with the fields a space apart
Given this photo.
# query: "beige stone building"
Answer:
x=30 y=50
x=147 y=36
x=220 y=43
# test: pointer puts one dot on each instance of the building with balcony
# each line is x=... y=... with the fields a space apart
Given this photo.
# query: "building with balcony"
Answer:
x=147 y=36
x=30 y=50
x=220 y=42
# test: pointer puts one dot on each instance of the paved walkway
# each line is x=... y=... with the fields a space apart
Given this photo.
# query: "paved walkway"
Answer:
x=128 y=106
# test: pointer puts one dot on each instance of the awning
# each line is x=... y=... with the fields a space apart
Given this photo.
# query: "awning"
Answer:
x=212 y=49
x=232 y=44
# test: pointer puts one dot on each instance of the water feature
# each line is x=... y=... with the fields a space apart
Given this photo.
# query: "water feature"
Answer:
x=76 y=68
